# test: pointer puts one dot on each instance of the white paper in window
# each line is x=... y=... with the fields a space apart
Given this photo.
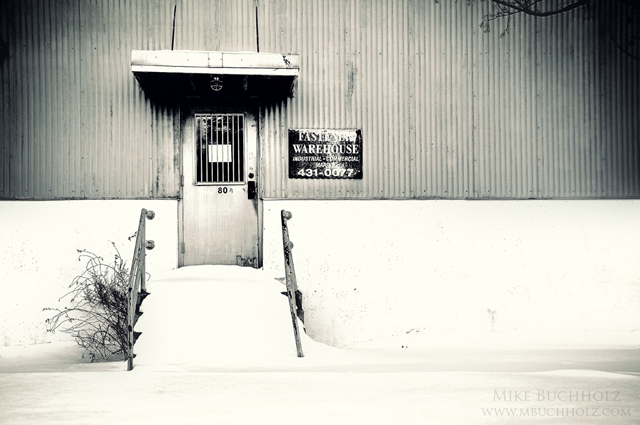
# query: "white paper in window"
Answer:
x=219 y=153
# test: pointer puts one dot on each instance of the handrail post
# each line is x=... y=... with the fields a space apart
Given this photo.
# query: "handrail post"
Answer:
x=137 y=278
x=145 y=245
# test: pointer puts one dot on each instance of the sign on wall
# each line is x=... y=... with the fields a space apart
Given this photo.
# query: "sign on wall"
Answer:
x=325 y=154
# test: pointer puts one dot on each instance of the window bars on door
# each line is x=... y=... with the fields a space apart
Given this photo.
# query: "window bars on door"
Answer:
x=220 y=148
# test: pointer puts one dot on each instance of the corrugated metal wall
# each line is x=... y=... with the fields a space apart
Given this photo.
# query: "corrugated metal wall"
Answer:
x=75 y=122
x=548 y=111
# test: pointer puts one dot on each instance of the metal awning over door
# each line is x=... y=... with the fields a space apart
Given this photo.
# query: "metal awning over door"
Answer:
x=204 y=74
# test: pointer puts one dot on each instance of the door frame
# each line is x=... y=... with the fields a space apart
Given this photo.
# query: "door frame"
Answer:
x=230 y=106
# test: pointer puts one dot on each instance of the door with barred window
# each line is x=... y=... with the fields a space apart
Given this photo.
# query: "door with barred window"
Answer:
x=219 y=207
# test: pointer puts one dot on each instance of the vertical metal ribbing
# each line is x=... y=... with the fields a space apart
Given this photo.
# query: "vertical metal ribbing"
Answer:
x=237 y=164
x=203 y=146
x=229 y=150
x=211 y=129
x=214 y=142
x=228 y=146
x=241 y=153
x=219 y=140
x=234 y=138
x=233 y=135
x=236 y=152
x=240 y=146
x=220 y=121
x=226 y=143
x=196 y=141
x=67 y=137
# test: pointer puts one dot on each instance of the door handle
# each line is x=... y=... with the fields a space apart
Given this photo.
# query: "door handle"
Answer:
x=252 y=190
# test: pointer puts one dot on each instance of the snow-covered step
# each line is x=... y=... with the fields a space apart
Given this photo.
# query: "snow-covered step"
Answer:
x=218 y=316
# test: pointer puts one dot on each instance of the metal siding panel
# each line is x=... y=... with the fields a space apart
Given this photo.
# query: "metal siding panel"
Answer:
x=446 y=111
x=227 y=25
x=7 y=32
x=5 y=120
x=82 y=127
x=419 y=171
x=24 y=101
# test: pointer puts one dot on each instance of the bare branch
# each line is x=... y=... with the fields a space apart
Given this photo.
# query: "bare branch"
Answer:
x=616 y=21
x=529 y=10
x=98 y=315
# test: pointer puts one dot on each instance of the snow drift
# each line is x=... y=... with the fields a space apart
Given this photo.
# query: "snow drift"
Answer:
x=218 y=316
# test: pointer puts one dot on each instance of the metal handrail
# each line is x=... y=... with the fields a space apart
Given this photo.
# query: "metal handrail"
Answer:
x=137 y=278
x=291 y=281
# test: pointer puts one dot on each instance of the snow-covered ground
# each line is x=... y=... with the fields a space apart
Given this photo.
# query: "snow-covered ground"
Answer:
x=218 y=347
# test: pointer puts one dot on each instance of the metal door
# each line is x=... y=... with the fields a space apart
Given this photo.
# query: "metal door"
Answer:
x=219 y=213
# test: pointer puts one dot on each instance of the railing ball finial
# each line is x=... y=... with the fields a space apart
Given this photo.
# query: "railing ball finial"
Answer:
x=150 y=244
x=286 y=214
x=150 y=214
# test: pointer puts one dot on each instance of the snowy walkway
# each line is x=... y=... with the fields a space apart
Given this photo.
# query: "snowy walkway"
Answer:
x=221 y=350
